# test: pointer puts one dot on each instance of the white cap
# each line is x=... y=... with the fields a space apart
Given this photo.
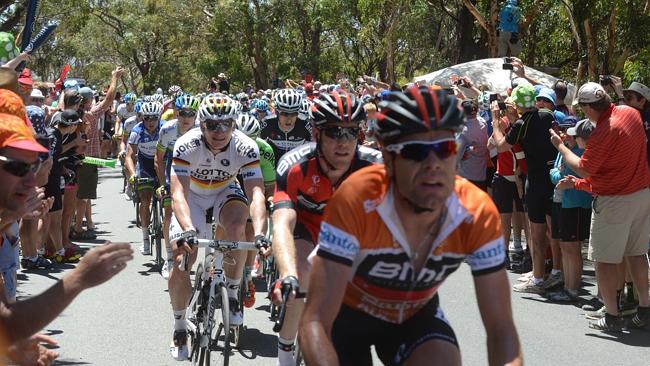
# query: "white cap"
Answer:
x=590 y=93
x=36 y=93
x=222 y=75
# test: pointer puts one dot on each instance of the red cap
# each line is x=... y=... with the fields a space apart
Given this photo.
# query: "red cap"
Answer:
x=25 y=77
x=15 y=133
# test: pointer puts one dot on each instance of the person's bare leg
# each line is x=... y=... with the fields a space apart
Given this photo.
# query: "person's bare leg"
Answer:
x=69 y=206
x=638 y=266
x=55 y=229
x=81 y=212
x=28 y=237
x=538 y=249
x=606 y=278
x=505 y=227
x=89 y=215
x=572 y=264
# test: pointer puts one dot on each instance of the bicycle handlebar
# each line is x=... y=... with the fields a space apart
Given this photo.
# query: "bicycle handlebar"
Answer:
x=221 y=245
x=289 y=284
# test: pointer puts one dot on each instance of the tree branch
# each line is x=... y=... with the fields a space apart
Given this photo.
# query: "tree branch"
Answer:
x=477 y=15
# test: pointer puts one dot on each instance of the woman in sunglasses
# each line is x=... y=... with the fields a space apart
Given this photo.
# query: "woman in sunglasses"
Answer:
x=392 y=234
x=307 y=178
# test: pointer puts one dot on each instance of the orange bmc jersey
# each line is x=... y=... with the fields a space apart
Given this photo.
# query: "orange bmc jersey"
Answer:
x=361 y=229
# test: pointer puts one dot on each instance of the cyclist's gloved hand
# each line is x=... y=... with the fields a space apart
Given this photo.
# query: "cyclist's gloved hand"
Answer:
x=122 y=154
x=262 y=242
x=132 y=179
x=281 y=287
x=161 y=191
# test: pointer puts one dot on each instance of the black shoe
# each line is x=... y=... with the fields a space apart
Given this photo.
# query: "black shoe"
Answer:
x=39 y=263
x=641 y=318
x=608 y=323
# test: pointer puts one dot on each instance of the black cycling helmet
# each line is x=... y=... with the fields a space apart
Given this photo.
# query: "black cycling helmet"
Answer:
x=337 y=108
x=417 y=109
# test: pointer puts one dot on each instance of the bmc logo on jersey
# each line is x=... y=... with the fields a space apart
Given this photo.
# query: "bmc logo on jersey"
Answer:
x=337 y=241
x=292 y=157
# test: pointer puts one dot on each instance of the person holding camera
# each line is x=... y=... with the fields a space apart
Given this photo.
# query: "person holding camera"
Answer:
x=473 y=153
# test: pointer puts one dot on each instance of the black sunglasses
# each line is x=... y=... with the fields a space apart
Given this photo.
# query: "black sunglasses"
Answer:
x=420 y=150
x=288 y=114
x=342 y=133
x=221 y=126
x=19 y=168
x=187 y=113
x=150 y=118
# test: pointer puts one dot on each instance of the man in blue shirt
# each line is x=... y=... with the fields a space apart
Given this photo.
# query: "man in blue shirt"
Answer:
x=509 y=43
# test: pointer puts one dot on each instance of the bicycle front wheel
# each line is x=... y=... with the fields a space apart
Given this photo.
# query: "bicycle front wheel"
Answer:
x=222 y=354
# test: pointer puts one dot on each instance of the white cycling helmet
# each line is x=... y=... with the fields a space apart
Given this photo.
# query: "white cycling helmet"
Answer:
x=157 y=98
x=249 y=125
x=151 y=109
x=238 y=106
x=305 y=109
x=288 y=100
x=217 y=107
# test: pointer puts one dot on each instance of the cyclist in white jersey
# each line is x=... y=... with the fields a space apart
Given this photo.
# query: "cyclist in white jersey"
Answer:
x=205 y=164
x=126 y=126
x=185 y=119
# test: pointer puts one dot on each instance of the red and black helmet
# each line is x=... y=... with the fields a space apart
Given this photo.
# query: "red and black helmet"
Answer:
x=418 y=109
x=337 y=108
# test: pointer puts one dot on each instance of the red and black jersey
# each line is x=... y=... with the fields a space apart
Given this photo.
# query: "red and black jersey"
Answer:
x=301 y=185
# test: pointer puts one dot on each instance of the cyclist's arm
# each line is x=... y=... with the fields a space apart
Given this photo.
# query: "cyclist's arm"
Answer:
x=124 y=139
x=118 y=123
x=159 y=163
x=493 y=296
x=130 y=159
x=327 y=283
x=255 y=190
x=284 y=248
x=180 y=187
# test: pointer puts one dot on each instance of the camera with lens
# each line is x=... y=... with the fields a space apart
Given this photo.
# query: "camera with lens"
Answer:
x=507 y=63
x=605 y=80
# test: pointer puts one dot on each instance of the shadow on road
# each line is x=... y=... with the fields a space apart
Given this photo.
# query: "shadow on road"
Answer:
x=255 y=343
x=153 y=269
x=634 y=338
x=68 y=361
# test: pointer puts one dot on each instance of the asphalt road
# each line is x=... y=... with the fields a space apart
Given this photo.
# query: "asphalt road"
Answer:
x=128 y=321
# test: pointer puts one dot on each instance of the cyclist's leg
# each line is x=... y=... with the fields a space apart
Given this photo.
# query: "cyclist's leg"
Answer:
x=179 y=284
x=145 y=193
x=248 y=269
x=232 y=212
x=304 y=246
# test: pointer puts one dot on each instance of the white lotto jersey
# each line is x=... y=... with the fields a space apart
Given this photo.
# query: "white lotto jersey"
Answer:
x=123 y=112
x=210 y=172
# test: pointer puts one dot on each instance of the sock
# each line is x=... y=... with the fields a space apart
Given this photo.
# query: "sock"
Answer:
x=554 y=272
x=232 y=286
x=537 y=281
x=179 y=320
x=285 y=352
x=145 y=234
x=248 y=273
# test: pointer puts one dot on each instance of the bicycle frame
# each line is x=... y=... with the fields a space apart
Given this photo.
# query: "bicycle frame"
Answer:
x=215 y=274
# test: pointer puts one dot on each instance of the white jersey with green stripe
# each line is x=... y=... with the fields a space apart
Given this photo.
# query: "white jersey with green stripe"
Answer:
x=209 y=172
